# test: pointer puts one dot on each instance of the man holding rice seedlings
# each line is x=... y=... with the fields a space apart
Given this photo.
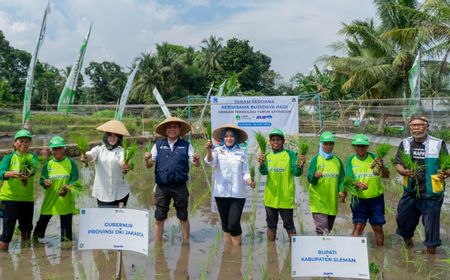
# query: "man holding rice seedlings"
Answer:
x=369 y=190
x=419 y=161
x=59 y=178
x=231 y=177
x=17 y=192
x=326 y=176
x=110 y=186
x=280 y=166
x=171 y=155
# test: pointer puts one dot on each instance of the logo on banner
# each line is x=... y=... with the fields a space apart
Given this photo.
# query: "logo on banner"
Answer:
x=264 y=117
x=215 y=100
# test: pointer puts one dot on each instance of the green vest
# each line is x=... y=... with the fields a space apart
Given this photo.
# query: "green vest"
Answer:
x=59 y=172
x=323 y=197
x=432 y=150
x=279 y=191
x=361 y=171
x=13 y=189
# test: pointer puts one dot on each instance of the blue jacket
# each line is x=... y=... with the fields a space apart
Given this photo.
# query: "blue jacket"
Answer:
x=172 y=167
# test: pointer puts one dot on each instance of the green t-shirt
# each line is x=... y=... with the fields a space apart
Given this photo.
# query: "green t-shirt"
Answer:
x=280 y=168
x=323 y=192
x=13 y=189
x=61 y=173
x=361 y=171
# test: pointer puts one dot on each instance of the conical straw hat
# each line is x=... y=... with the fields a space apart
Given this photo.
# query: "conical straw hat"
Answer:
x=184 y=126
x=218 y=132
x=114 y=126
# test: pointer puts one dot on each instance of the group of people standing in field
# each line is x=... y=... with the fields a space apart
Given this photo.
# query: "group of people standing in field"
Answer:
x=171 y=157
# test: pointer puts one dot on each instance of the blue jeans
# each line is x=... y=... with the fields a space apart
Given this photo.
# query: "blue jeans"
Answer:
x=409 y=210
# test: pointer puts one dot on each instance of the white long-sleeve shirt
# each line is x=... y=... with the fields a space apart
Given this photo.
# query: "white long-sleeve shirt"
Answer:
x=109 y=182
x=230 y=172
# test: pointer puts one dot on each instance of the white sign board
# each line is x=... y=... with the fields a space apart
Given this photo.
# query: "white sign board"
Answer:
x=330 y=256
x=255 y=114
x=114 y=229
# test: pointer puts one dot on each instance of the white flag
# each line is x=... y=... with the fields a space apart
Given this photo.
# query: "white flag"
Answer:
x=161 y=103
x=30 y=73
x=126 y=92
x=414 y=85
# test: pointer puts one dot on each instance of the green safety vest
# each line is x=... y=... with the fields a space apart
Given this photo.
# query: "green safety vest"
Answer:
x=13 y=188
x=361 y=171
x=280 y=168
x=323 y=196
x=61 y=173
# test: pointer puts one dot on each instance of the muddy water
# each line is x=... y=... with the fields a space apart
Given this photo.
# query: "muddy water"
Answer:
x=207 y=257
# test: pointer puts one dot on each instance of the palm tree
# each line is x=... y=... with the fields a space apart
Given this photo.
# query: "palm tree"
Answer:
x=211 y=48
x=147 y=79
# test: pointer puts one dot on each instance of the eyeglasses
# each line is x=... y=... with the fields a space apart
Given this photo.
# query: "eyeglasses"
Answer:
x=417 y=124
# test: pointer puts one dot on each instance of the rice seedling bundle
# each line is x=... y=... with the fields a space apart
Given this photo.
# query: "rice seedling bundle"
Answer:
x=82 y=146
x=351 y=188
x=381 y=150
x=261 y=140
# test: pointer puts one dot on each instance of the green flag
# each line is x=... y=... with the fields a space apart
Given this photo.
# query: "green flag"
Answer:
x=30 y=73
x=65 y=103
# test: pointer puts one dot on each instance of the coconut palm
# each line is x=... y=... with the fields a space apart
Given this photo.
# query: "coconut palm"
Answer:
x=211 y=50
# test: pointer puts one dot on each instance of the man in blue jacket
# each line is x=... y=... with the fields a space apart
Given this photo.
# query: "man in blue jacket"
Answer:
x=171 y=156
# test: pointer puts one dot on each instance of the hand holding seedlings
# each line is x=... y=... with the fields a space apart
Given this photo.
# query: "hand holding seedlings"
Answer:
x=209 y=145
x=48 y=182
x=125 y=167
x=301 y=162
x=196 y=159
x=342 y=196
x=251 y=183
x=362 y=186
x=318 y=174
x=262 y=159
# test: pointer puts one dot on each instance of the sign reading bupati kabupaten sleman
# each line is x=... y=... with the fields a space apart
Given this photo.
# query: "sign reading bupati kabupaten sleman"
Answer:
x=114 y=229
x=330 y=256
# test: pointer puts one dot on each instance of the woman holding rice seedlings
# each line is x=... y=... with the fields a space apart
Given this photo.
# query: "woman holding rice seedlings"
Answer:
x=369 y=190
x=326 y=176
x=59 y=178
x=231 y=177
x=110 y=186
x=280 y=166
x=418 y=160
x=17 y=192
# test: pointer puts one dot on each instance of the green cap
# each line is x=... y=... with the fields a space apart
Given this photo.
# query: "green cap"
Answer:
x=278 y=132
x=57 y=142
x=360 y=139
x=327 y=137
x=23 y=133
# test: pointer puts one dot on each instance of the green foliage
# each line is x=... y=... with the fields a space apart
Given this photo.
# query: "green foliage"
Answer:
x=261 y=140
x=374 y=268
x=104 y=114
x=444 y=162
x=82 y=144
x=208 y=130
x=351 y=188
x=303 y=148
x=129 y=151
x=382 y=150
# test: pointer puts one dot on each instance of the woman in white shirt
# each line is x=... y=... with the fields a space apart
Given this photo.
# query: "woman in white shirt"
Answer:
x=231 y=178
x=110 y=186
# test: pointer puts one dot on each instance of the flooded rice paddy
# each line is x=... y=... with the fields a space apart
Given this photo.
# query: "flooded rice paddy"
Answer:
x=206 y=257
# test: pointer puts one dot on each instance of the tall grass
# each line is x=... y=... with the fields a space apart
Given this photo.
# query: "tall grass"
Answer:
x=82 y=146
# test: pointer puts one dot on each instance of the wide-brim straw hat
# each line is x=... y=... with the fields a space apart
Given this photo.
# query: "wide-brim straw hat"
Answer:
x=218 y=132
x=184 y=126
x=114 y=126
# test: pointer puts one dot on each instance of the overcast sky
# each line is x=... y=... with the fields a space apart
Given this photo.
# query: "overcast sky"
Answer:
x=294 y=33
